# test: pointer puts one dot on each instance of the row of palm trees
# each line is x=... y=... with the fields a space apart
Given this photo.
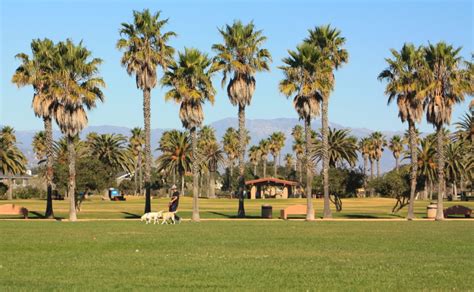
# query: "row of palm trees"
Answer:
x=65 y=80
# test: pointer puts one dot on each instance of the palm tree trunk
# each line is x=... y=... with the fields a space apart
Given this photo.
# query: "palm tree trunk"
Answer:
x=147 y=117
x=48 y=130
x=140 y=169
x=182 y=184
x=324 y=129
x=300 y=168
x=371 y=169
x=195 y=216
x=241 y=211
x=10 y=187
x=255 y=169
x=378 y=167
x=309 y=199
x=431 y=190
x=275 y=165
x=135 y=176
x=212 y=185
x=264 y=167
x=414 y=169
x=455 y=190
x=440 y=164
x=71 y=186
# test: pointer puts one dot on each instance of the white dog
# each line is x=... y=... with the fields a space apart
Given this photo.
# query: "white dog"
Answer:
x=155 y=216
x=168 y=216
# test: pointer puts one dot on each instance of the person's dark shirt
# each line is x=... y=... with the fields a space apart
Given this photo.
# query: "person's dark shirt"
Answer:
x=175 y=203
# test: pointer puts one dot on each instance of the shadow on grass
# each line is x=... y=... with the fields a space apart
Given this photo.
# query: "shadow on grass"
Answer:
x=129 y=215
x=234 y=216
x=360 y=216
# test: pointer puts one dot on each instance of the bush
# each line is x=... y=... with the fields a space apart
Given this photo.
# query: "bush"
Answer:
x=3 y=190
x=343 y=182
x=127 y=187
x=29 y=192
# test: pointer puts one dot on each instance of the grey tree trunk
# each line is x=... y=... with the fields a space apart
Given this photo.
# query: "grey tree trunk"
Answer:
x=135 y=176
x=309 y=199
x=378 y=167
x=71 y=186
x=147 y=117
x=440 y=163
x=48 y=130
x=10 y=187
x=255 y=169
x=397 y=163
x=324 y=131
x=371 y=169
x=212 y=185
x=366 y=161
x=413 y=169
x=241 y=182
x=455 y=191
x=140 y=169
x=195 y=216
x=264 y=167
x=182 y=184
x=431 y=190
x=275 y=165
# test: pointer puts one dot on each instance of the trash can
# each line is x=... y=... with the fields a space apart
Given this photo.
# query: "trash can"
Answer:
x=267 y=211
x=431 y=211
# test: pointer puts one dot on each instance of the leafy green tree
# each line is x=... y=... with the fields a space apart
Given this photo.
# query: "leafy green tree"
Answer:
x=12 y=160
x=146 y=48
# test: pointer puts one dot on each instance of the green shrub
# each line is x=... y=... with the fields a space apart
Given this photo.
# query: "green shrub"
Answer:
x=29 y=192
x=3 y=190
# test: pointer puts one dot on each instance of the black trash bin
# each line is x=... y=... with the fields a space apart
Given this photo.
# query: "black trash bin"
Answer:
x=267 y=211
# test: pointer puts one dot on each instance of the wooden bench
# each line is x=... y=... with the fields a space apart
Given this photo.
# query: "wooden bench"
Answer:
x=11 y=209
x=457 y=210
x=292 y=210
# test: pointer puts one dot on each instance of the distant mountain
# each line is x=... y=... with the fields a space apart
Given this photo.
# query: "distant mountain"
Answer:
x=258 y=128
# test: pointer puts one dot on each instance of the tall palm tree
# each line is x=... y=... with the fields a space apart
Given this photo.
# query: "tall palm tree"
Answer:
x=289 y=162
x=379 y=142
x=137 y=141
x=443 y=86
x=342 y=148
x=145 y=47
x=303 y=80
x=12 y=160
x=39 y=146
x=241 y=55
x=37 y=72
x=277 y=142
x=77 y=86
x=403 y=83
x=230 y=141
x=191 y=86
x=213 y=157
x=396 y=146
x=264 y=149
x=176 y=154
x=364 y=149
x=254 y=157
x=330 y=44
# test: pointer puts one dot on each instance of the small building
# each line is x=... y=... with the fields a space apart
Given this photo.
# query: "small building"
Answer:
x=270 y=187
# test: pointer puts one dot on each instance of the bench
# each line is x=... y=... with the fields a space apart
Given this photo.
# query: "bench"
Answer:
x=11 y=209
x=292 y=210
x=457 y=210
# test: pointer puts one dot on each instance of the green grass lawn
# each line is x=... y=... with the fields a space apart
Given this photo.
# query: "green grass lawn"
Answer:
x=224 y=208
x=230 y=255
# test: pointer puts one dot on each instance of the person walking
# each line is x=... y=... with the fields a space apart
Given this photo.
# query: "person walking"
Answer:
x=174 y=202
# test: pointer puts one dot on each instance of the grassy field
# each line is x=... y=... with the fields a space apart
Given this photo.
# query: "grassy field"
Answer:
x=223 y=208
x=230 y=255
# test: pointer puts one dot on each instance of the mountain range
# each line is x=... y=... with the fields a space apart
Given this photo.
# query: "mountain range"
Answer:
x=258 y=129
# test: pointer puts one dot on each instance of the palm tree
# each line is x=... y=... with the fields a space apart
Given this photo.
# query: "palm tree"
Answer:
x=206 y=138
x=277 y=142
x=37 y=72
x=426 y=154
x=264 y=148
x=191 y=86
x=176 y=154
x=443 y=86
x=77 y=87
x=379 y=142
x=302 y=80
x=342 y=148
x=112 y=151
x=396 y=146
x=136 y=141
x=254 y=157
x=298 y=148
x=465 y=128
x=403 y=83
x=145 y=48
x=241 y=55
x=330 y=44
x=457 y=161
x=230 y=140
x=364 y=149
x=60 y=149
x=39 y=146
x=213 y=157
x=12 y=160
x=289 y=162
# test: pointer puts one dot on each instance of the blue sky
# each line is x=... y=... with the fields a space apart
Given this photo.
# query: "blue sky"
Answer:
x=370 y=27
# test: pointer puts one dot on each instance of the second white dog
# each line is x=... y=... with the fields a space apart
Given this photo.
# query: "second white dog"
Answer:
x=155 y=216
